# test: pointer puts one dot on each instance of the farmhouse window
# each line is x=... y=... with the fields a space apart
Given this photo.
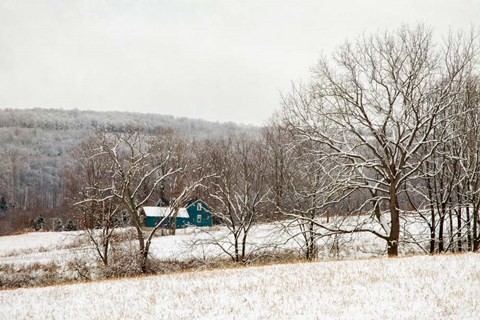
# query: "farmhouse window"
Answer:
x=199 y=218
x=199 y=206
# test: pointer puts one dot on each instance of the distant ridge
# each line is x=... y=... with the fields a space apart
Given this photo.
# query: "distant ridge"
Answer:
x=59 y=119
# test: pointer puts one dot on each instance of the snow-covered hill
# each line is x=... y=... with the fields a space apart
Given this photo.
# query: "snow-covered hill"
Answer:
x=422 y=287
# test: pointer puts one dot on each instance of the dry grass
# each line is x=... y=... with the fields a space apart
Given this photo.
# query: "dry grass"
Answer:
x=424 y=287
x=30 y=275
x=123 y=264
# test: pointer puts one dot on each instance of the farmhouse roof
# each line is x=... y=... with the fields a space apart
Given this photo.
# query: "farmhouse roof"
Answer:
x=164 y=211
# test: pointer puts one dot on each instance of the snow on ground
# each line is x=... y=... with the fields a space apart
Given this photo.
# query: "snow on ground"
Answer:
x=421 y=287
x=62 y=247
x=36 y=241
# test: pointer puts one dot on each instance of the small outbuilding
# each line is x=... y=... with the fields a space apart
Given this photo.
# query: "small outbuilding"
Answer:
x=198 y=213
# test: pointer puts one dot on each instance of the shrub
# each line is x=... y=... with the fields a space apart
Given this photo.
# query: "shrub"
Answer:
x=124 y=261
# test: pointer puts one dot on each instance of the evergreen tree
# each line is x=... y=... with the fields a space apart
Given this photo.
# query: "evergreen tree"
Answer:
x=70 y=225
x=58 y=225
x=38 y=223
x=3 y=204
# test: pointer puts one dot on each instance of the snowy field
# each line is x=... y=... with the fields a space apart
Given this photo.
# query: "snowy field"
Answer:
x=45 y=258
x=421 y=287
x=192 y=243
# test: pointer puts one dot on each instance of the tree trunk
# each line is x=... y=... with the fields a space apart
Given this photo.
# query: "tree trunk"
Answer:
x=476 y=236
x=441 y=241
x=244 y=247
x=173 y=226
x=142 y=251
x=144 y=261
x=459 y=230
x=469 y=228
x=392 y=248
x=105 y=255
x=394 y=237
x=433 y=233
x=450 y=220
x=237 y=252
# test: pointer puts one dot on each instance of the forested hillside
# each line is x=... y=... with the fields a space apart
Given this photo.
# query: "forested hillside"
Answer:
x=36 y=144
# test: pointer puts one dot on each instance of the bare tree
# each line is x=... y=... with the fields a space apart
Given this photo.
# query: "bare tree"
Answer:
x=238 y=192
x=373 y=108
x=280 y=162
x=307 y=202
x=450 y=177
x=86 y=180
x=465 y=165
x=138 y=165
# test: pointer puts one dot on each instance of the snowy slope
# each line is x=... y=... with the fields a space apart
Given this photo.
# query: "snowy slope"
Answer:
x=426 y=287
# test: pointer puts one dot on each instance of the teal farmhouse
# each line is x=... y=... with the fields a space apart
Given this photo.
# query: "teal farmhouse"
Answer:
x=197 y=214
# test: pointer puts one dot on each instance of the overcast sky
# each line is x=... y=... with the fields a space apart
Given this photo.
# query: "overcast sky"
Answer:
x=219 y=60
